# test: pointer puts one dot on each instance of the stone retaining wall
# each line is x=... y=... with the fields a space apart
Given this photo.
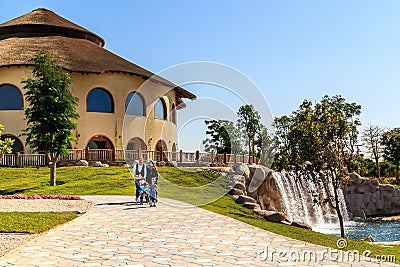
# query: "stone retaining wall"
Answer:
x=374 y=199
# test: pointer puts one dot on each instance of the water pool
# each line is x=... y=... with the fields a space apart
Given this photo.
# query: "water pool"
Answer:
x=380 y=231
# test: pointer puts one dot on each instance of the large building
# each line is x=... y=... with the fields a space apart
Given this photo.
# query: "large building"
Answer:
x=104 y=83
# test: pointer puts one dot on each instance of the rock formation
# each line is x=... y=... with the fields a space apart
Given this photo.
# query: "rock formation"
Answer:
x=268 y=193
x=367 y=196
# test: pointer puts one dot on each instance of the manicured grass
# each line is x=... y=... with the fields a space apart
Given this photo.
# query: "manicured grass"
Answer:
x=32 y=222
x=70 y=181
x=176 y=183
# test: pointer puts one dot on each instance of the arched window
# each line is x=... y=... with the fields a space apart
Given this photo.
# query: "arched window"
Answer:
x=135 y=105
x=173 y=113
x=10 y=98
x=99 y=100
x=160 y=109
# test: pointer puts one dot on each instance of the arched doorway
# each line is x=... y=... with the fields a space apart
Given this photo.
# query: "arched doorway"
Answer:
x=135 y=149
x=100 y=147
x=161 y=151
x=17 y=147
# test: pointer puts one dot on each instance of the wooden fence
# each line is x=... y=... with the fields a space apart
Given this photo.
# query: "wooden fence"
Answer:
x=128 y=156
x=22 y=160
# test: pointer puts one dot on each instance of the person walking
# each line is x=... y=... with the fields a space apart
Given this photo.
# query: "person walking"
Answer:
x=152 y=172
x=139 y=171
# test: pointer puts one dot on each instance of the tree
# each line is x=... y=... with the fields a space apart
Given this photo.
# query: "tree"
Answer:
x=224 y=137
x=249 y=125
x=5 y=145
x=265 y=147
x=350 y=111
x=391 y=149
x=312 y=142
x=372 y=137
x=50 y=116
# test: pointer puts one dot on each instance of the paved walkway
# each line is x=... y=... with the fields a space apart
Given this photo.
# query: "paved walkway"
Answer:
x=117 y=232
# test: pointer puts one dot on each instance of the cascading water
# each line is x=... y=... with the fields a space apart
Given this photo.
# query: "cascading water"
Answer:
x=298 y=201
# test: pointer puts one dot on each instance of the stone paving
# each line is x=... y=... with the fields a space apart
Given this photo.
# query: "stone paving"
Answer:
x=118 y=232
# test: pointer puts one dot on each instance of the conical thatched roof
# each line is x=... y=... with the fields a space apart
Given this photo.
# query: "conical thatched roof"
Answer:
x=74 y=48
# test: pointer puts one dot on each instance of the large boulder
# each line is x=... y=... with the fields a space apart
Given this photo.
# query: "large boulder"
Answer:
x=250 y=205
x=83 y=163
x=99 y=164
x=240 y=186
x=276 y=217
x=356 y=178
x=258 y=174
x=244 y=199
x=235 y=191
x=301 y=225
x=261 y=211
x=241 y=169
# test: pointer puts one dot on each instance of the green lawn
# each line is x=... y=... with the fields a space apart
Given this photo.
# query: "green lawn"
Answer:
x=32 y=222
x=70 y=181
x=185 y=185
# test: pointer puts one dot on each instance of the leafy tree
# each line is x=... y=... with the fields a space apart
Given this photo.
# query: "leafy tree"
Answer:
x=249 y=125
x=224 y=137
x=265 y=147
x=50 y=116
x=350 y=112
x=372 y=137
x=391 y=149
x=5 y=145
x=312 y=142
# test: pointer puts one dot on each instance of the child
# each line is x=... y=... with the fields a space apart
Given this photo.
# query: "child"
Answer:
x=153 y=192
x=143 y=190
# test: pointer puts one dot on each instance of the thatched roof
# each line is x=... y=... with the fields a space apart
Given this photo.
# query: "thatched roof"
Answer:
x=74 y=48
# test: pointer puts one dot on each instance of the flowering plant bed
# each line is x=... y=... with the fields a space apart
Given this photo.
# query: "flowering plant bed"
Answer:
x=35 y=196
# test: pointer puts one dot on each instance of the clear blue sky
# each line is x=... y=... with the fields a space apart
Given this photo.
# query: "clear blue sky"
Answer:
x=291 y=49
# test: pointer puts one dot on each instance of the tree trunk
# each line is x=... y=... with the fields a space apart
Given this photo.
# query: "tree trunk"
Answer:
x=249 y=151
x=53 y=166
x=339 y=213
x=378 y=169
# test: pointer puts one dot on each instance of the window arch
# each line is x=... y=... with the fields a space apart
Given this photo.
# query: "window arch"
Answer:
x=136 y=143
x=10 y=98
x=135 y=105
x=160 y=109
x=173 y=113
x=99 y=100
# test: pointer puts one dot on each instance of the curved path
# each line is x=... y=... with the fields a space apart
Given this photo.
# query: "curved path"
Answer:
x=117 y=232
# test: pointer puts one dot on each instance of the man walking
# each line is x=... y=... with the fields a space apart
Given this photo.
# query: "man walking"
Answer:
x=139 y=172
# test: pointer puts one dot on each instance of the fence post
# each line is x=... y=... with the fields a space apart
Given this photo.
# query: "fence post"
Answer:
x=181 y=157
x=197 y=158
x=87 y=153
x=235 y=160
x=225 y=159
x=17 y=160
